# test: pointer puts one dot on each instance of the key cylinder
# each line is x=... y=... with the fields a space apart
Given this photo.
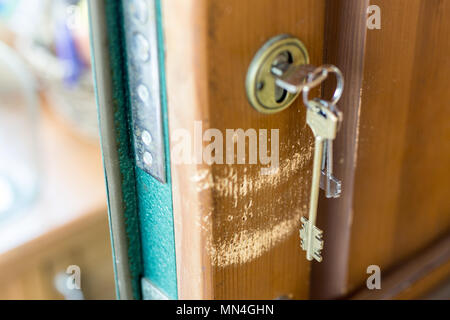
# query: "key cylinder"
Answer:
x=262 y=91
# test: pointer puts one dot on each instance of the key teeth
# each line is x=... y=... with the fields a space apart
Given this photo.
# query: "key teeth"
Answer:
x=317 y=256
x=335 y=186
x=303 y=239
x=303 y=245
x=317 y=239
x=303 y=230
x=320 y=246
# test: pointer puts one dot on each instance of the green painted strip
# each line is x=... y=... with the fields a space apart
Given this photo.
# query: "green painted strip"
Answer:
x=114 y=20
x=155 y=204
x=147 y=203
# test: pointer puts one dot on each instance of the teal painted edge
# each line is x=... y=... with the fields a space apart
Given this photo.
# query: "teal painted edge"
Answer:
x=155 y=202
x=147 y=202
x=122 y=119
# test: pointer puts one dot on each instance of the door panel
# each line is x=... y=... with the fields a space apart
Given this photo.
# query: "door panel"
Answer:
x=234 y=230
x=400 y=205
x=238 y=237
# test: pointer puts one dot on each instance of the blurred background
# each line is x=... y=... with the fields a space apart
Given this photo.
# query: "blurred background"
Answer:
x=53 y=213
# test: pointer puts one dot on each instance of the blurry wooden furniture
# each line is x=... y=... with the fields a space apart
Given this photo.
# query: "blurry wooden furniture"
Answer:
x=66 y=225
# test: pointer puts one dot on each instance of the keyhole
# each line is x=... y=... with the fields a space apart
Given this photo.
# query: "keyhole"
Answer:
x=283 y=57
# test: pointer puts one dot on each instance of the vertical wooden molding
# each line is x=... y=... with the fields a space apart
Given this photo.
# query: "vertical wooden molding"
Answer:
x=185 y=28
x=345 y=39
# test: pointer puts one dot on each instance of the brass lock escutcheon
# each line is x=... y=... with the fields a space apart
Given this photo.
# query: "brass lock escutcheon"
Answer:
x=262 y=91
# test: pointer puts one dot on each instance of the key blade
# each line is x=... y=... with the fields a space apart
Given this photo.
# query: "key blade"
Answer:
x=335 y=186
x=304 y=233
x=317 y=256
x=290 y=77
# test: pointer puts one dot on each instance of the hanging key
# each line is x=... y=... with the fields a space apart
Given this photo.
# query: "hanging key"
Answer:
x=277 y=74
x=330 y=184
x=293 y=79
x=323 y=123
x=324 y=119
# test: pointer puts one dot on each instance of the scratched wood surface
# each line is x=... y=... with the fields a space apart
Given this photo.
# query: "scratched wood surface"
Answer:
x=399 y=200
x=237 y=230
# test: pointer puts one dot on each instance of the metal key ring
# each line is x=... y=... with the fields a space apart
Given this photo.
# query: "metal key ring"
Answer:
x=313 y=80
x=316 y=77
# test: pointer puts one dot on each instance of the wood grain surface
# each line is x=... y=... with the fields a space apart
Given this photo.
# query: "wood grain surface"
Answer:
x=345 y=39
x=400 y=203
x=416 y=278
x=237 y=230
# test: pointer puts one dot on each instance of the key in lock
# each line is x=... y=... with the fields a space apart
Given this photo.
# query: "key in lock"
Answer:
x=274 y=80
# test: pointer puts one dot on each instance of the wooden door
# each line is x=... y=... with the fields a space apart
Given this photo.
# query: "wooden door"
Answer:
x=237 y=230
x=395 y=210
x=226 y=231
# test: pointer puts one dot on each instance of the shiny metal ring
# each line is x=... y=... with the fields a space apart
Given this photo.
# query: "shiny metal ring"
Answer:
x=318 y=76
